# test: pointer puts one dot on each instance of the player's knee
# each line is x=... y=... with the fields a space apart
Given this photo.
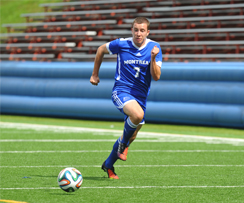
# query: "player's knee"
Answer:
x=137 y=117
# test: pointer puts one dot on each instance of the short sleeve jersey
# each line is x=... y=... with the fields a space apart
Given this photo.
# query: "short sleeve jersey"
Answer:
x=133 y=66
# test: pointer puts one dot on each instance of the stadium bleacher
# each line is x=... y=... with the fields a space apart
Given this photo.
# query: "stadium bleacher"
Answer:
x=197 y=30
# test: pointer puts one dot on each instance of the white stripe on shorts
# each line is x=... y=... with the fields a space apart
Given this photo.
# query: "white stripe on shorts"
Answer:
x=119 y=103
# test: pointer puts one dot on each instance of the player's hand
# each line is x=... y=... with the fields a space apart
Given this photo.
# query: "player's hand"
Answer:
x=154 y=51
x=94 y=80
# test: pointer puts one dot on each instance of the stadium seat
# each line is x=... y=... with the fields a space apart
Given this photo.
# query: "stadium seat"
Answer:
x=182 y=28
x=96 y=5
x=57 y=37
x=80 y=15
x=24 y=57
x=85 y=57
x=35 y=27
x=195 y=7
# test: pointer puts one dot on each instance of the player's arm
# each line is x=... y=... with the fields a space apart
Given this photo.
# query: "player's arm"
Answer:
x=154 y=68
x=97 y=63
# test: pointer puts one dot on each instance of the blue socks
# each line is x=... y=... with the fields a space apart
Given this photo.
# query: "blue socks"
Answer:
x=129 y=130
x=113 y=155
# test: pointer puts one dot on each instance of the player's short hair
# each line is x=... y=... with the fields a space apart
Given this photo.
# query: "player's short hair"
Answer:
x=140 y=20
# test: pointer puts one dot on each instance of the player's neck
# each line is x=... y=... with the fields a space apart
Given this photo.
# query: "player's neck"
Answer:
x=140 y=44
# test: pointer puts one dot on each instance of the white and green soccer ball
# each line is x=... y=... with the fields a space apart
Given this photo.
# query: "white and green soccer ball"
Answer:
x=70 y=179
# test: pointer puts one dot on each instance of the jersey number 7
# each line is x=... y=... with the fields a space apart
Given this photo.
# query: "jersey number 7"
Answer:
x=137 y=69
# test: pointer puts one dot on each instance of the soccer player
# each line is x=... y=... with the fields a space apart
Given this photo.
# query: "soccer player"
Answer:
x=138 y=60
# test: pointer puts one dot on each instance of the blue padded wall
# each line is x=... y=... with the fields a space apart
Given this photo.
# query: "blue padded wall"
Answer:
x=187 y=93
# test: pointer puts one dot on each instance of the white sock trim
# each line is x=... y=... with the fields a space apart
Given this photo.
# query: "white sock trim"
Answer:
x=132 y=125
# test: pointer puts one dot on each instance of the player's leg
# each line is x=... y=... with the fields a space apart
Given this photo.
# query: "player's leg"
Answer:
x=135 y=116
x=120 y=100
x=113 y=157
x=133 y=137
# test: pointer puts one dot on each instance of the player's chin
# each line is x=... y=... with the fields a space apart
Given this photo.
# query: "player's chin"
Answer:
x=139 y=41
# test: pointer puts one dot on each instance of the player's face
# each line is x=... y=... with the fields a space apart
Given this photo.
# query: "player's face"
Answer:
x=139 y=33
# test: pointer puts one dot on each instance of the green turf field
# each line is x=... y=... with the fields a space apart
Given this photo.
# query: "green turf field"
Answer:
x=166 y=163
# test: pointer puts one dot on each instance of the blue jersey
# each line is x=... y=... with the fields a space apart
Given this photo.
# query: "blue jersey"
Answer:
x=133 y=66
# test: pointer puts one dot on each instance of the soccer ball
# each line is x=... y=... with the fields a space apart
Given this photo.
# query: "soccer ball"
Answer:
x=70 y=179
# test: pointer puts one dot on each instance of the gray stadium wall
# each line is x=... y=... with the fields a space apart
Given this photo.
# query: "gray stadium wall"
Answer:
x=188 y=93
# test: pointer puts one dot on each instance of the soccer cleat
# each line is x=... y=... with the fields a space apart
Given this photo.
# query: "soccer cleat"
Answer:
x=122 y=151
x=126 y=151
x=110 y=172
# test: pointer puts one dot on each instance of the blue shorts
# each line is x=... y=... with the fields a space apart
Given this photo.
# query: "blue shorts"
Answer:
x=120 y=99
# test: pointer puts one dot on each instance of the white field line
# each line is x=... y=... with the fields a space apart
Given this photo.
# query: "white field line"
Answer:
x=133 y=187
x=121 y=166
x=142 y=136
x=131 y=151
x=58 y=140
